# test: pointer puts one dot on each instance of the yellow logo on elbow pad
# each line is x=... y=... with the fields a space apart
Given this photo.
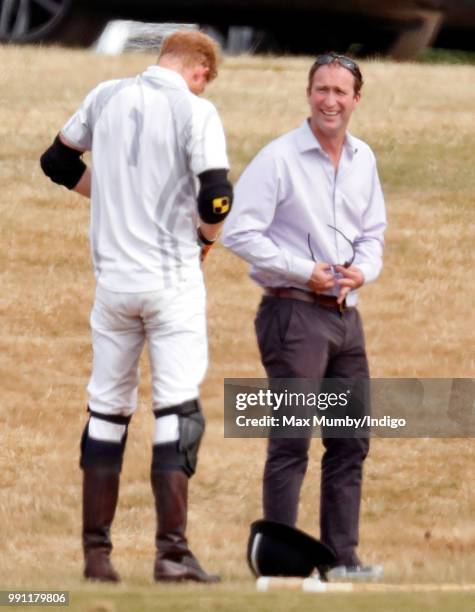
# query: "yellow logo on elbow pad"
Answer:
x=221 y=205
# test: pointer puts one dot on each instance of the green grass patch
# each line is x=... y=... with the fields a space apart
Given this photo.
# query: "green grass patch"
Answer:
x=446 y=56
x=186 y=598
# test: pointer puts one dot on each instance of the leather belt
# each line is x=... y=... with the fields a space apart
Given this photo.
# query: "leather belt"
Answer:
x=326 y=301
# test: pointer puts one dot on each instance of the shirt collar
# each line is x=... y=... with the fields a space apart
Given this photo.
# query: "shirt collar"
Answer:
x=350 y=144
x=307 y=140
x=165 y=74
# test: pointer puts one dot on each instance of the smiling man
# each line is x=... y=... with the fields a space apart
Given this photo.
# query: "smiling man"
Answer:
x=309 y=216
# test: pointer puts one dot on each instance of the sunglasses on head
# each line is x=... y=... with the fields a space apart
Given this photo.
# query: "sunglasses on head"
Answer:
x=346 y=62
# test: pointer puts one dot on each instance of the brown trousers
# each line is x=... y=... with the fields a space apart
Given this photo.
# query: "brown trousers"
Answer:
x=303 y=340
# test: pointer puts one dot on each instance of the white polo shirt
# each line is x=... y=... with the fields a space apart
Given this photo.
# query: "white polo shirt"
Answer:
x=290 y=195
x=149 y=137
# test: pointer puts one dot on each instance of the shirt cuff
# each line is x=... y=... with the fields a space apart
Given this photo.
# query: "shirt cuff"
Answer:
x=370 y=272
x=301 y=270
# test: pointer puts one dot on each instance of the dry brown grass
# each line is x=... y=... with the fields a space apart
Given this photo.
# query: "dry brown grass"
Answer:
x=418 y=503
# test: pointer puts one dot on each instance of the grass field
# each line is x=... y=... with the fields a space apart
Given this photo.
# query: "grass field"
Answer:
x=419 y=501
x=126 y=599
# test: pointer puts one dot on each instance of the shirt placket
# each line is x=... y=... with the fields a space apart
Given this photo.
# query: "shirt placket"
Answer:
x=333 y=176
x=335 y=222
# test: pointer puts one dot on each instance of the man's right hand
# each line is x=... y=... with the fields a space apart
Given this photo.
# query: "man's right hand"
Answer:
x=321 y=280
x=204 y=243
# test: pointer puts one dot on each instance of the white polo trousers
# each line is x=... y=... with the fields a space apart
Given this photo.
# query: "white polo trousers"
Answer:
x=173 y=321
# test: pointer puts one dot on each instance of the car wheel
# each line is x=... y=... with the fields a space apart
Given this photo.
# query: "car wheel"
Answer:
x=54 y=21
x=23 y=21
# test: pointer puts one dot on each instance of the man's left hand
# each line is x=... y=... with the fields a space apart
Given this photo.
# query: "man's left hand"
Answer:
x=352 y=279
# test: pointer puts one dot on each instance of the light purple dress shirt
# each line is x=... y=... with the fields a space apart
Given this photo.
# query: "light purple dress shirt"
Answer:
x=290 y=192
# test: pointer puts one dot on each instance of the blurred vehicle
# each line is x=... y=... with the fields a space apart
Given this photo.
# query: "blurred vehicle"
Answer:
x=458 y=28
x=401 y=28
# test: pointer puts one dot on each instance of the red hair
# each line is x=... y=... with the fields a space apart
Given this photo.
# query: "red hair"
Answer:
x=193 y=47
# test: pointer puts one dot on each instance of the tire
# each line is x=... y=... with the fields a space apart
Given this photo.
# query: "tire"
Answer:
x=55 y=21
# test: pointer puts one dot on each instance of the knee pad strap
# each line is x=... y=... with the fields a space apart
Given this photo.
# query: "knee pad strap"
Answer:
x=182 y=454
x=103 y=453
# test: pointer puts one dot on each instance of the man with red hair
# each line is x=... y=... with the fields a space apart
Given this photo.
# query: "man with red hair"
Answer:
x=159 y=194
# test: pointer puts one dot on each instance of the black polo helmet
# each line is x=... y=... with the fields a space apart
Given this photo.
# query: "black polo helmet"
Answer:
x=275 y=549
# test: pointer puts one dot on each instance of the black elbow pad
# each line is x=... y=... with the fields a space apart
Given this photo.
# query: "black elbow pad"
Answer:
x=215 y=197
x=62 y=164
